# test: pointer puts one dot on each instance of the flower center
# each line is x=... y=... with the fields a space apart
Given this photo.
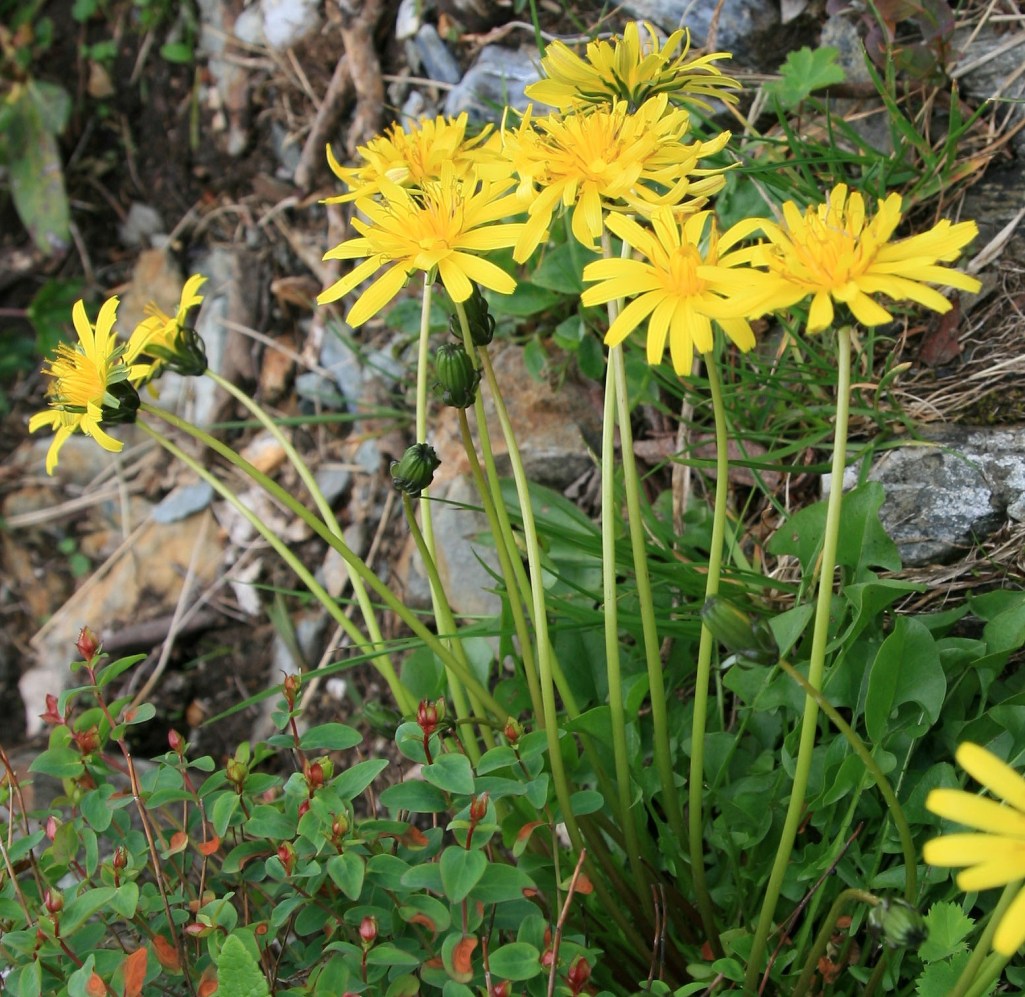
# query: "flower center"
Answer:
x=683 y=278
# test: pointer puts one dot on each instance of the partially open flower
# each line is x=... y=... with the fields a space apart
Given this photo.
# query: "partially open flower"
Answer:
x=169 y=340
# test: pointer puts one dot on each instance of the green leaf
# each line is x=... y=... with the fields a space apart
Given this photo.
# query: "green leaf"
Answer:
x=224 y=809
x=803 y=72
x=527 y=299
x=357 y=777
x=177 y=52
x=330 y=737
x=515 y=961
x=460 y=871
x=907 y=669
x=500 y=883
x=125 y=900
x=87 y=903
x=948 y=927
x=269 y=822
x=387 y=954
x=561 y=268
x=940 y=978
x=451 y=773
x=238 y=971
x=416 y=797
x=347 y=871
x=112 y=670
x=60 y=762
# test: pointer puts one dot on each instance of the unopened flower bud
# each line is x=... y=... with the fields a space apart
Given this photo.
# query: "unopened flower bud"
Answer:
x=315 y=776
x=368 y=931
x=51 y=827
x=339 y=827
x=290 y=689
x=578 y=975
x=236 y=771
x=88 y=644
x=457 y=377
x=734 y=629
x=899 y=923
x=415 y=471
x=479 y=808
x=503 y=989
x=53 y=901
x=120 y=858
x=304 y=808
x=176 y=742
x=286 y=856
x=427 y=717
x=513 y=730
x=481 y=323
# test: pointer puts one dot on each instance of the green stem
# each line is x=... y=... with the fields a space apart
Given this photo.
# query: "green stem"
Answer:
x=545 y=656
x=446 y=622
x=907 y=843
x=702 y=679
x=355 y=563
x=969 y=983
x=661 y=736
x=817 y=663
x=359 y=590
x=610 y=600
x=825 y=933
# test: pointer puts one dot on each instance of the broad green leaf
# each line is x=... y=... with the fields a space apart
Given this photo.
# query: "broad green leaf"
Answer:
x=451 y=773
x=269 y=822
x=461 y=870
x=515 y=961
x=357 y=777
x=238 y=971
x=387 y=954
x=82 y=907
x=330 y=737
x=805 y=71
x=347 y=871
x=948 y=928
x=60 y=762
x=414 y=796
x=125 y=900
x=225 y=807
x=96 y=807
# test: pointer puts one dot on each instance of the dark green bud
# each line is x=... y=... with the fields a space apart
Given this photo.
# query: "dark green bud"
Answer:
x=126 y=403
x=901 y=926
x=381 y=720
x=415 y=471
x=734 y=629
x=482 y=325
x=457 y=377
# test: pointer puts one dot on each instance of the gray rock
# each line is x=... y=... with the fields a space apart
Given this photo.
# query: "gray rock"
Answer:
x=333 y=482
x=744 y=26
x=409 y=18
x=990 y=68
x=948 y=495
x=183 y=501
x=498 y=78
x=141 y=226
x=343 y=363
x=323 y=391
x=288 y=22
x=439 y=63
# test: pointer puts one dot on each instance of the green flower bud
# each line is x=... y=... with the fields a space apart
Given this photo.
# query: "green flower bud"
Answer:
x=415 y=471
x=735 y=630
x=899 y=923
x=457 y=377
x=482 y=325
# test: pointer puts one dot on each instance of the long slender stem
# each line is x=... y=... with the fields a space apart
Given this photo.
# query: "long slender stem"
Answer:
x=817 y=663
x=544 y=648
x=610 y=612
x=696 y=785
x=355 y=563
x=359 y=590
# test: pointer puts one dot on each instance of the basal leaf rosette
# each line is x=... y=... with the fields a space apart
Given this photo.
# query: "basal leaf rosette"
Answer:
x=442 y=229
x=631 y=68
x=90 y=384
x=994 y=853
x=837 y=254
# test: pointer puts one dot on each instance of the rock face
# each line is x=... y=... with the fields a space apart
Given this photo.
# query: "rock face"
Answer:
x=959 y=487
x=497 y=78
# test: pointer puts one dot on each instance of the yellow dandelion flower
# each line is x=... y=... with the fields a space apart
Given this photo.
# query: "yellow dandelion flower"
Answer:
x=168 y=339
x=440 y=229
x=608 y=158
x=418 y=156
x=631 y=68
x=690 y=276
x=995 y=856
x=89 y=384
x=834 y=252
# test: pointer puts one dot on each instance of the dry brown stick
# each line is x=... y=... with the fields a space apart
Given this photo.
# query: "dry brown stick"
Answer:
x=359 y=18
x=328 y=115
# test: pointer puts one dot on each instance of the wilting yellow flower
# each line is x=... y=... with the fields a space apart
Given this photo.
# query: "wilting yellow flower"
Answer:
x=417 y=156
x=690 y=276
x=439 y=229
x=90 y=384
x=996 y=856
x=835 y=252
x=632 y=68
x=168 y=339
x=607 y=158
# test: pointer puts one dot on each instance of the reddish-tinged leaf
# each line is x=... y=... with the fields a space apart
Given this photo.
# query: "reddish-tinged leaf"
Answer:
x=134 y=968
x=413 y=838
x=166 y=953
x=462 y=956
x=523 y=836
x=96 y=987
x=427 y=922
x=207 y=982
x=209 y=847
x=584 y=885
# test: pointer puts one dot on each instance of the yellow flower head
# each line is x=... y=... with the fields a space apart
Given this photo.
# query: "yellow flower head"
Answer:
x=607 y=158
x=440 y=229
x=169 y=340
x=89 y=384
x=632 y=68
x=995 y=856
x=689 y=277
x=835 y=252
x=418 y=156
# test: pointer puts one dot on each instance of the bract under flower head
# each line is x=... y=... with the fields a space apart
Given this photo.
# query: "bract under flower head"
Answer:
x=89 y=383
x=607 y=158
x=995 y=854
x=439 y=229
x=833 y=252
x=690 y=276
x=169 y=340
x=631 y=68
x=418 y=156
